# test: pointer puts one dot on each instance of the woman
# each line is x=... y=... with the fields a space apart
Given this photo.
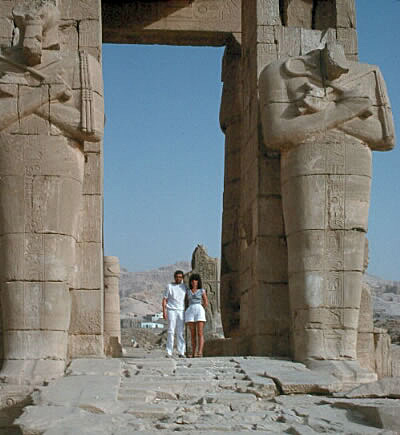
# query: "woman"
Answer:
x=195 y=315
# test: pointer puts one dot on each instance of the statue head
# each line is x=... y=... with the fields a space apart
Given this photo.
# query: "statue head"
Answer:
x=37 y=22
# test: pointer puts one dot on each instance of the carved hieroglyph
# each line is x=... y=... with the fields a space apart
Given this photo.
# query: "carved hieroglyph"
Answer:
x=50 y=102
x=325 y=115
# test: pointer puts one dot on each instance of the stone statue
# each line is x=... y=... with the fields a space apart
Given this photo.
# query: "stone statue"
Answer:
x=325 y=114
x=50 y=102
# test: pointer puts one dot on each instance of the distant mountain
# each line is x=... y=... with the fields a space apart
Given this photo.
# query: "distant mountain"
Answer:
x=386 y=296
x=141 y=292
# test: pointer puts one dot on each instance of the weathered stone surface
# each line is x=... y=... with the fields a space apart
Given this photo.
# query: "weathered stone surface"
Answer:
x=387 y=387
x=112 y=325
x=144 y=394
x=325 y=189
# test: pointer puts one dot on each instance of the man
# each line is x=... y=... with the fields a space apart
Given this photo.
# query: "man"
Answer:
x=173 y=306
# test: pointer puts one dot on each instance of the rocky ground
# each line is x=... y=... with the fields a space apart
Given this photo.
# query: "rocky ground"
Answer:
x=145 y=392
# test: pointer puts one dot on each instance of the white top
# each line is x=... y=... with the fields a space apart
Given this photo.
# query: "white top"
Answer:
x=175 y=295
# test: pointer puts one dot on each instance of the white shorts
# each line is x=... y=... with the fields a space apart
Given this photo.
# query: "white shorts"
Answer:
x=195 y=313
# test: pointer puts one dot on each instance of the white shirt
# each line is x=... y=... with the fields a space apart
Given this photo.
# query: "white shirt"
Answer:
x=175 y=295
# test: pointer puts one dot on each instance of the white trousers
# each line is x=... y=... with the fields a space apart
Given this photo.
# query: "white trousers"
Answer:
x=175 y=323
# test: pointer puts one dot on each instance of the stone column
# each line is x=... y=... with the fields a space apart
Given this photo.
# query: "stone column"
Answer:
x=112 y=314
x=50 y=104
x=230 y=119
x=264 y=303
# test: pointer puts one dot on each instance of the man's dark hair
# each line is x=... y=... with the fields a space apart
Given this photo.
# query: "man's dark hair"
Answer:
x=195 y=276
x=178 y=272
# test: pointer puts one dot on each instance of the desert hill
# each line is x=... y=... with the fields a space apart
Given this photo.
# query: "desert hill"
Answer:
x=141 y=294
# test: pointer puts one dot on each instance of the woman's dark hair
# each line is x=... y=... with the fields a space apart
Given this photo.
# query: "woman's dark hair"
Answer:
x=195 y=276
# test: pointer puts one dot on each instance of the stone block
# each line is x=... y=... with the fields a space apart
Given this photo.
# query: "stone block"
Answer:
x=230 y=225
x=80 y=9
x=6 y=27
x=326 y=250
x=87 y=312
x=55 y=205
x=326 y=344
x=366 y=350
x=269 y=176
x=36 y=344
x=266 y=53
x=395 y=351
x=366 y=321
x=232 y=166
x=346 y=14
x=90 y=258
x=266 y=34
x=271 y=260
x=288 y=39
x=92 y=184
x=356 y=202
x=267 y=13
x=348 y=39
x=89 y=34
x=383 y=356
x=338 y=158
x=313 y=39
x=311 y=289
x=325 y=318
x=270 y=217
x=37 y=257
x=231 y=194
x=68 y=31
x=91 y=219
x=85 y=346
x=49 y=306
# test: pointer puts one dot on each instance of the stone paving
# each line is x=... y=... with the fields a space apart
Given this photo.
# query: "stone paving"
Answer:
x=146 y=392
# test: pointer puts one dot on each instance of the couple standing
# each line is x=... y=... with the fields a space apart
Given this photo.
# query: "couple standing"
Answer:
x=173 y=305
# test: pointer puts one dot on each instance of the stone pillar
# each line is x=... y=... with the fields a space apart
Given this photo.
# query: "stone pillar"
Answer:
x=50 y=105
x=112 y=314
x=208 y=269
x=230 y=119
x=325 y=133
x=365 y=338
x=264 y=304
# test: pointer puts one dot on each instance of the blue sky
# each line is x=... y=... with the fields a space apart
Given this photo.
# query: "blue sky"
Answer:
x=164 y=151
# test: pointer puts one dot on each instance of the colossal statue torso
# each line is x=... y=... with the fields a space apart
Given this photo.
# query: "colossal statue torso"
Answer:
x=325 y=115
x=50 y=102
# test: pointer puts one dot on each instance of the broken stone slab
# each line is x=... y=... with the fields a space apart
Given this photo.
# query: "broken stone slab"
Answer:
x=163 y=366
x=290 y=377
x=325 y=414
x=349 y=373
x=170 y=390
x=387 y=387
x=227 y=398
x=196 y=372
x=93 y=391
x=100 y=367
x=56 y=420
x=380 y=413
x=151 y=410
